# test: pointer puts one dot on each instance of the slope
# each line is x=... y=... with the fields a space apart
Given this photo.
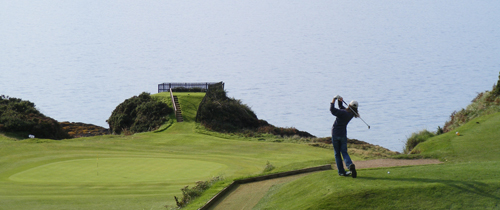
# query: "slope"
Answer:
x=469 y=178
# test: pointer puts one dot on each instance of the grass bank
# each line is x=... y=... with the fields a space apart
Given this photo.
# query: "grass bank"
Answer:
x=469 y=178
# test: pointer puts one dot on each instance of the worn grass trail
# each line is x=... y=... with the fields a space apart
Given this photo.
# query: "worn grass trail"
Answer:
x=140 y=171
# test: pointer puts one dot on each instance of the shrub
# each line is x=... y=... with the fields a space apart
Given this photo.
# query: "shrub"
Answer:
x=269 y=167
x=189 y=194
x=280 y=131
x=78 y=129
x=496 y=89
x=183 y=89
x=221 y=113
x=21 y=116
x=139 y=114
x=417 y=138
x=439 y=131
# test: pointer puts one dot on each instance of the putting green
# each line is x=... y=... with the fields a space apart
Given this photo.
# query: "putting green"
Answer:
x=112 y=170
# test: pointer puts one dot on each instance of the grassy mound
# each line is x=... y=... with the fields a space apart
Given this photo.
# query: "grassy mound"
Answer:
x=139 y=114
x=223 y=114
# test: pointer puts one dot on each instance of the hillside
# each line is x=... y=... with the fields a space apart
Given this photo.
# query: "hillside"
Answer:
x=469 y=178
x=139 y=171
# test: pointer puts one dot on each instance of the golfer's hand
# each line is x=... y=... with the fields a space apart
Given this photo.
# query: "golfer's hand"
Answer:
x=336 y=97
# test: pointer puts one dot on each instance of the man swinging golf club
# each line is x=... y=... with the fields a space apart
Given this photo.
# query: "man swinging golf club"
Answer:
x=339 y=134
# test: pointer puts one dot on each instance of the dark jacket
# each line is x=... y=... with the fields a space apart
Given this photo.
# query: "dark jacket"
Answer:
x=339 y=128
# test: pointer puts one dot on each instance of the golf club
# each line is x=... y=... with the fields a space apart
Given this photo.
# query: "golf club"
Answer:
x=356 y=114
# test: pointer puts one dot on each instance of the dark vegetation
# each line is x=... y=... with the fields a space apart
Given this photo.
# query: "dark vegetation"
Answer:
x=189 y=194
x=484 y=103
x=417 y=138
x=78 y=129
x=219 y=113
x=356 y=147
x=139 y=114
x=183 y=89
x=22 y=118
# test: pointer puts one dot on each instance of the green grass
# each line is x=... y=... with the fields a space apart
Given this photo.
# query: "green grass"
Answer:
x=469 y=178
x=110 y=170
x=145 y=170
x=140 y=171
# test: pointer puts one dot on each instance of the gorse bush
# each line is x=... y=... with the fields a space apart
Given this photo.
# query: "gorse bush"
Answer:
x=20 y=116
x=189 y=194
x=496 y=89
x=139 y=114
x=415 y=139
x=279 y=131
x=223 y=114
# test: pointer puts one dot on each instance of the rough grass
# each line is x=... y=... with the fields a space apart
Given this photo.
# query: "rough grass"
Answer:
x=485 y=103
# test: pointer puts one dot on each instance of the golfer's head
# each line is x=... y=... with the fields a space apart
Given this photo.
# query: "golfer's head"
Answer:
x=353 y=104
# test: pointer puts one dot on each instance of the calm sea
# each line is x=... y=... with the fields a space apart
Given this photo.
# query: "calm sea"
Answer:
x=409 y=63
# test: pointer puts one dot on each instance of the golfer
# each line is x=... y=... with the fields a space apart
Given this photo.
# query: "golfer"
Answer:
x=339 y=134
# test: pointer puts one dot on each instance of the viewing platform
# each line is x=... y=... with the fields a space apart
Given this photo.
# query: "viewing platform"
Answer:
x=165 y=87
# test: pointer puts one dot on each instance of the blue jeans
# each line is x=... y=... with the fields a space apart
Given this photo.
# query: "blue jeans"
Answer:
x=340 y=148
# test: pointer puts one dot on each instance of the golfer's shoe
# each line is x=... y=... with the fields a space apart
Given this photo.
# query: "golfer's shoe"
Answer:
x=347 y=173
x=352 y=170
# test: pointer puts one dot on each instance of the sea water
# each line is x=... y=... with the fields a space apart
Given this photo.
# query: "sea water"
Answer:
x=409 y=64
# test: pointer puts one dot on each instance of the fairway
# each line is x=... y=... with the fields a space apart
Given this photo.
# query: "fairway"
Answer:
x=121 y=170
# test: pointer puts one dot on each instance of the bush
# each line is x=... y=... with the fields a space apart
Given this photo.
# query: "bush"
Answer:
x=496 y=89
x=415 y=139
x=189 y=194
x=279 y=131
x=139 y=114
x=269 y=167
x=183 y=89
x=223 y=114
x=21 y=116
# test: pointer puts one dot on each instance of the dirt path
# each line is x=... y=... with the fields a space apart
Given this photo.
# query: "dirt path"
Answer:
x=393 y=162
x=246 y=196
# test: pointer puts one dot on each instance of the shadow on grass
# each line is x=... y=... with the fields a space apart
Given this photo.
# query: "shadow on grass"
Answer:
x=475 y=187
x=17 y=135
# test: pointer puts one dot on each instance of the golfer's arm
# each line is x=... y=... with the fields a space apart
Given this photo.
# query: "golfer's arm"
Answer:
x=333 y=110
x=341 y=105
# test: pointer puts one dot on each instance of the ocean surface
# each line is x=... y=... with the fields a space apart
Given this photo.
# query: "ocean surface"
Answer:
x=409 y=63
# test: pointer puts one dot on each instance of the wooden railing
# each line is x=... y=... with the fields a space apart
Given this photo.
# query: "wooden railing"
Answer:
x=173 y=101
x=164 y=87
